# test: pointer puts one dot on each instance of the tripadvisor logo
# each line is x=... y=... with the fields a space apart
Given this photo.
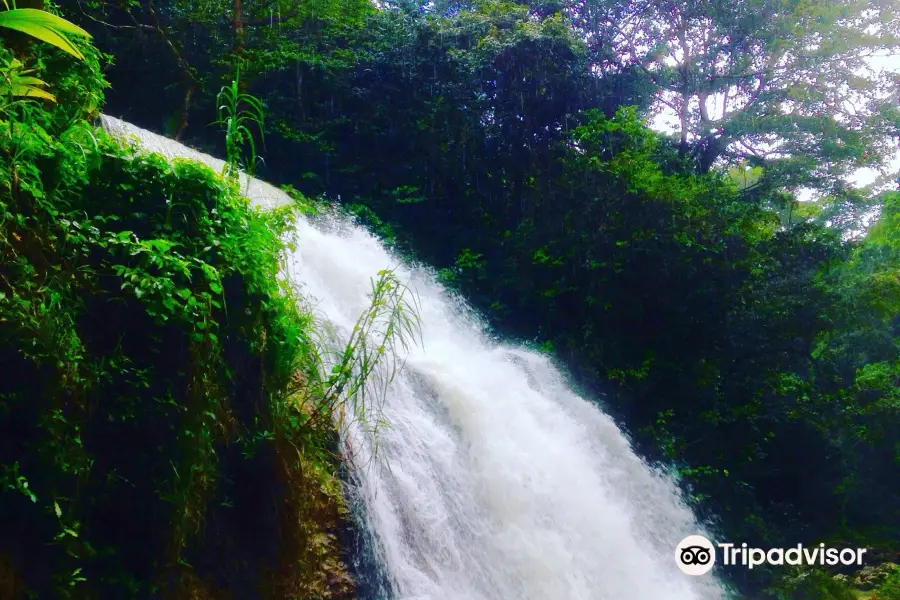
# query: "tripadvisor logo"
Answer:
x=696 y=555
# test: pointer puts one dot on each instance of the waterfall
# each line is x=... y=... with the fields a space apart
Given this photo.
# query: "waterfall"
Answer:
x=492 y=479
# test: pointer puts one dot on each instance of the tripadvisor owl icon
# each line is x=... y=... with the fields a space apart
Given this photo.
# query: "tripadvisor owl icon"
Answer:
x=695 y=555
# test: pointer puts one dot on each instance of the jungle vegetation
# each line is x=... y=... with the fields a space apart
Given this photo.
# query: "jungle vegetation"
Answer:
x=723 y=287
x=165 y=400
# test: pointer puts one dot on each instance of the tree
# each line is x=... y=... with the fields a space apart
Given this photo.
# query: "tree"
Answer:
x=204 y=42
x=455 y=117
x=781 y=83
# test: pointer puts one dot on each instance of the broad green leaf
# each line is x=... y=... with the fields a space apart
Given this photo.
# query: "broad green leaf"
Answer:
x=45 y=27
x=27 y=91
x=16 y=83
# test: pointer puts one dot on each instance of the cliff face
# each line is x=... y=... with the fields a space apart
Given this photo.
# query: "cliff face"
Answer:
x=154 y=435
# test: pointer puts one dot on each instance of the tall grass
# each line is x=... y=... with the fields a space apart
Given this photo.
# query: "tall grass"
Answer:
x=237 y=112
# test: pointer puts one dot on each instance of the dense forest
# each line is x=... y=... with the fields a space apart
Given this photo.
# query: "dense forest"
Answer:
x=720 y=284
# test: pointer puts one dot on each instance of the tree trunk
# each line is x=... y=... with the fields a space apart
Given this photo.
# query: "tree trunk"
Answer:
x=237 y=24
x=185 y=110
x=685 y=104
x=709 y=150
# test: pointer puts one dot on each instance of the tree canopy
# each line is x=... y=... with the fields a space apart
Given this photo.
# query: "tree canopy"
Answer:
x=785 y=83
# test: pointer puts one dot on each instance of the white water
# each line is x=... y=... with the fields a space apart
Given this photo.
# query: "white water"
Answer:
x=494 y=480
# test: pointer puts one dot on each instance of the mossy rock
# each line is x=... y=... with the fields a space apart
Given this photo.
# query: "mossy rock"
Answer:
x=868 y=578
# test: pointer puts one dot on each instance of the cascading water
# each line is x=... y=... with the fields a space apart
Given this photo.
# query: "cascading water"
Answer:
x=493 y=480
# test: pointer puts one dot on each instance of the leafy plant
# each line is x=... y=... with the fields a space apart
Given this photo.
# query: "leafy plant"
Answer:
x=889 y=588
x=356 y=378
x=17 y=82
x=114 y=263
x=44 y=26
x=236 y=112
x=813 y=584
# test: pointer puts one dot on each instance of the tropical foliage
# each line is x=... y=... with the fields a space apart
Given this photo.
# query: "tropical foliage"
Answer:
x=236 y=113
x=44 y=26
x=742 y=337
x=164 y=410
x=15 y=80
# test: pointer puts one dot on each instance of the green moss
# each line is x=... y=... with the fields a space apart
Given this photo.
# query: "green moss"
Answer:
x=889 y=589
